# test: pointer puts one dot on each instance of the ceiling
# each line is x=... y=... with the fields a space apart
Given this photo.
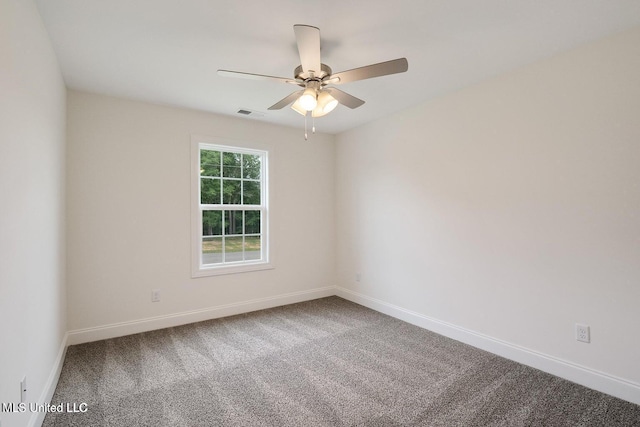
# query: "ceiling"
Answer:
x=168 y=51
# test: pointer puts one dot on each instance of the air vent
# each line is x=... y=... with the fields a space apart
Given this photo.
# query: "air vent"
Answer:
x=252 y=113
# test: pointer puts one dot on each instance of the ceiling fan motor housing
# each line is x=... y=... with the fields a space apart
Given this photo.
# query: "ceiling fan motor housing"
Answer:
x=311 y=75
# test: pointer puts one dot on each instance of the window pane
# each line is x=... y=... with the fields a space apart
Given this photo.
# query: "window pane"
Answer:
x=252 y=222
x=232 y=210
x=209 y=191
x=232 y=249
x=212 y=223
x=252 y=248
x=231 y=165
x=251 y=166
x=232 y=222
x=211 y=250
x=251 y=193
x=209 y=163
x=231 y=192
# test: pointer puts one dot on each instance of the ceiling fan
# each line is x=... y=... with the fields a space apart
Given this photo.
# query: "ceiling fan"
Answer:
x=317 y=96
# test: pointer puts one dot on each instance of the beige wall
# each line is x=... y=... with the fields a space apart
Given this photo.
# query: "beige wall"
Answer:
x=509 y=209
x=129 y=211
x=32 y=144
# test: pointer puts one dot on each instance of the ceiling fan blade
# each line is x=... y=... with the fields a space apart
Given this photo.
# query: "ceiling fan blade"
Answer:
x=344 y=98
x=286 y=100
x=395 y=66
x=308 y=40
x=239 y=74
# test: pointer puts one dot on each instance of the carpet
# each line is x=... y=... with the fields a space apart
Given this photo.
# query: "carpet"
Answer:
x=326 y=362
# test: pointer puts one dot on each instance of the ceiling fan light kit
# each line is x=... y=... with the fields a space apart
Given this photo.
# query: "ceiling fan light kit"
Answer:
x=309 y=98
x=325 y=103
x=316 y=97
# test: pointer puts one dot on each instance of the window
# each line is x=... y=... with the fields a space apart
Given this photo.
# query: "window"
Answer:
x=230 y=218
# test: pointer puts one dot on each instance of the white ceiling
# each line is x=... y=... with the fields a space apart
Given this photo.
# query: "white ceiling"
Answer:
x=168 y=51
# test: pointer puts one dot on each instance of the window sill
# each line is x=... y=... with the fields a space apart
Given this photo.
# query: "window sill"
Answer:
x=231 y=269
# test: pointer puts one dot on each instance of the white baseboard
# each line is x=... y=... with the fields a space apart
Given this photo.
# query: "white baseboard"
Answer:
x=52 y=382
x=120 y=329
x=621 y=388
x=609 y=384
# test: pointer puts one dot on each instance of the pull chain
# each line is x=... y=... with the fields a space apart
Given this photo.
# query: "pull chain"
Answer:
x=305 y=128
x=313 y=124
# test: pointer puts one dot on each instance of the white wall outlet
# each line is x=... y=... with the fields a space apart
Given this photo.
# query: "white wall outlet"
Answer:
x=357 y=277
x=155 y=295
x=23 y=389
x=583 y=333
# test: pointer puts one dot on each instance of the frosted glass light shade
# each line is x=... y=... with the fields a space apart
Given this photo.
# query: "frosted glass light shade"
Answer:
x=308 y=99
x=298 y=108
x=326 y=104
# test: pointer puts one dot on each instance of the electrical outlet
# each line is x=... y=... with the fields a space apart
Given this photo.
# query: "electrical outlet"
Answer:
x=357 y=277
x=23 y=389
x=582 y=333
x=155 y=295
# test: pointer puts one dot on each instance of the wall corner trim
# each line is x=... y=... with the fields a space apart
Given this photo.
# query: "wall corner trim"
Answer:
x=600 y=381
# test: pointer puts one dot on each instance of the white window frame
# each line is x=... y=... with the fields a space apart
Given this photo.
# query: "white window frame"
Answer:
x=198 y=269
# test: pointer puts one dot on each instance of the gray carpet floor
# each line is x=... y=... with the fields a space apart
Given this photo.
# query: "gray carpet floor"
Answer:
x=327 y=362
